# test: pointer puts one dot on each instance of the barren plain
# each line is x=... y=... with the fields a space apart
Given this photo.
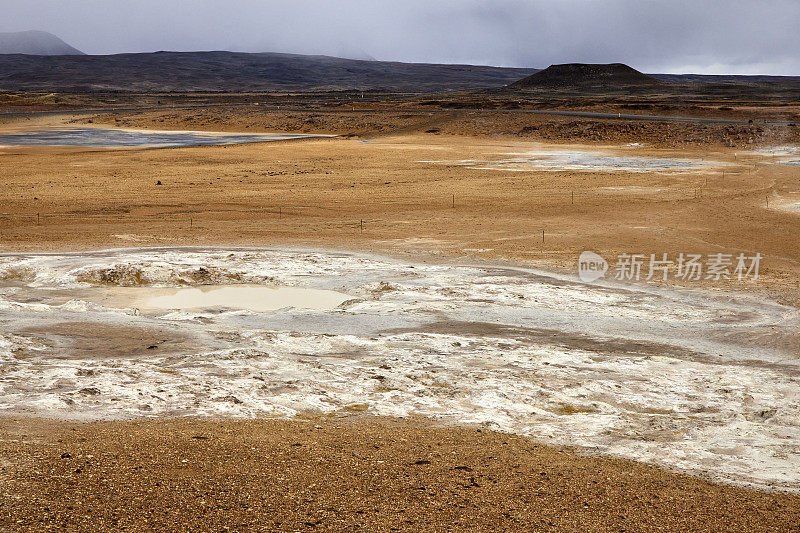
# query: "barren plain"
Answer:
x=469 y=198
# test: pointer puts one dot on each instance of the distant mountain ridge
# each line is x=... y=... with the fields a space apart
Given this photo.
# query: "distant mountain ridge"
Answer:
x=223 y=71
x=35 y=42
x=235 y=71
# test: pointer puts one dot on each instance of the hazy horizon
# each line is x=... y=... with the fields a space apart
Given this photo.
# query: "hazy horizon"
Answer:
x=699 y=37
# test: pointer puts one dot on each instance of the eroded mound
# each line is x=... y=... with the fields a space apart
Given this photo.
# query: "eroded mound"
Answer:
x=584 y=75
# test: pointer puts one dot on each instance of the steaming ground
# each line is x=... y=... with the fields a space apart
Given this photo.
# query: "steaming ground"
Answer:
x=582 y=160
x=700 y=381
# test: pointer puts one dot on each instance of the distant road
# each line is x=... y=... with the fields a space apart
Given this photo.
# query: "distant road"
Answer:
x=585 y=114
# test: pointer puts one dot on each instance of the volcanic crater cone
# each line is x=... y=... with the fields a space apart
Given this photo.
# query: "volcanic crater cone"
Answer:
x=584 y=75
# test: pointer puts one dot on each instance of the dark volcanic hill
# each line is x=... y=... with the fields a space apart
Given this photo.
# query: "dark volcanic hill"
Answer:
x=35 y=43
x=239 y=72
x=584 y=76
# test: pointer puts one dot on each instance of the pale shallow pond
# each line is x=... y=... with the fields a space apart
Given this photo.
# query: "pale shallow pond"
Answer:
x=781 y=155
x=703 y=381
x=579 y=160
x=122 y=138
x=248 y=297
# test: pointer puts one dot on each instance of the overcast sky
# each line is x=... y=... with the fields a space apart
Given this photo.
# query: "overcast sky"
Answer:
x=704 y=36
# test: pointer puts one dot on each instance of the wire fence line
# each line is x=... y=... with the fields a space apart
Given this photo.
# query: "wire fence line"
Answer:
x=149 y=216
x=190 y=221
x=569 y=197
x=573 y=197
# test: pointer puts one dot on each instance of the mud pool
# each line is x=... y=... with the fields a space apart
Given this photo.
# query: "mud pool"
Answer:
x=249 y=297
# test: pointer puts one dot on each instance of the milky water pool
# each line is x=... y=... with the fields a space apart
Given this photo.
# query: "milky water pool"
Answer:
x=781 y=155
x=121 y=138
x=249 y=297
x=705 y=382
x=579 y=160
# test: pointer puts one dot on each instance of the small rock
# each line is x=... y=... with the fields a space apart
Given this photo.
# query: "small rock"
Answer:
x=230 y=398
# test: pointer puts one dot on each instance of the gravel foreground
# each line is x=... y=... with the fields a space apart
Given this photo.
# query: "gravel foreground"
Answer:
x=364 y=473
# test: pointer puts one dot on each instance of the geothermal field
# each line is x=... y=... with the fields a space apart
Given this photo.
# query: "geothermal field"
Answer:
x=507 y=300
x=678 y=378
